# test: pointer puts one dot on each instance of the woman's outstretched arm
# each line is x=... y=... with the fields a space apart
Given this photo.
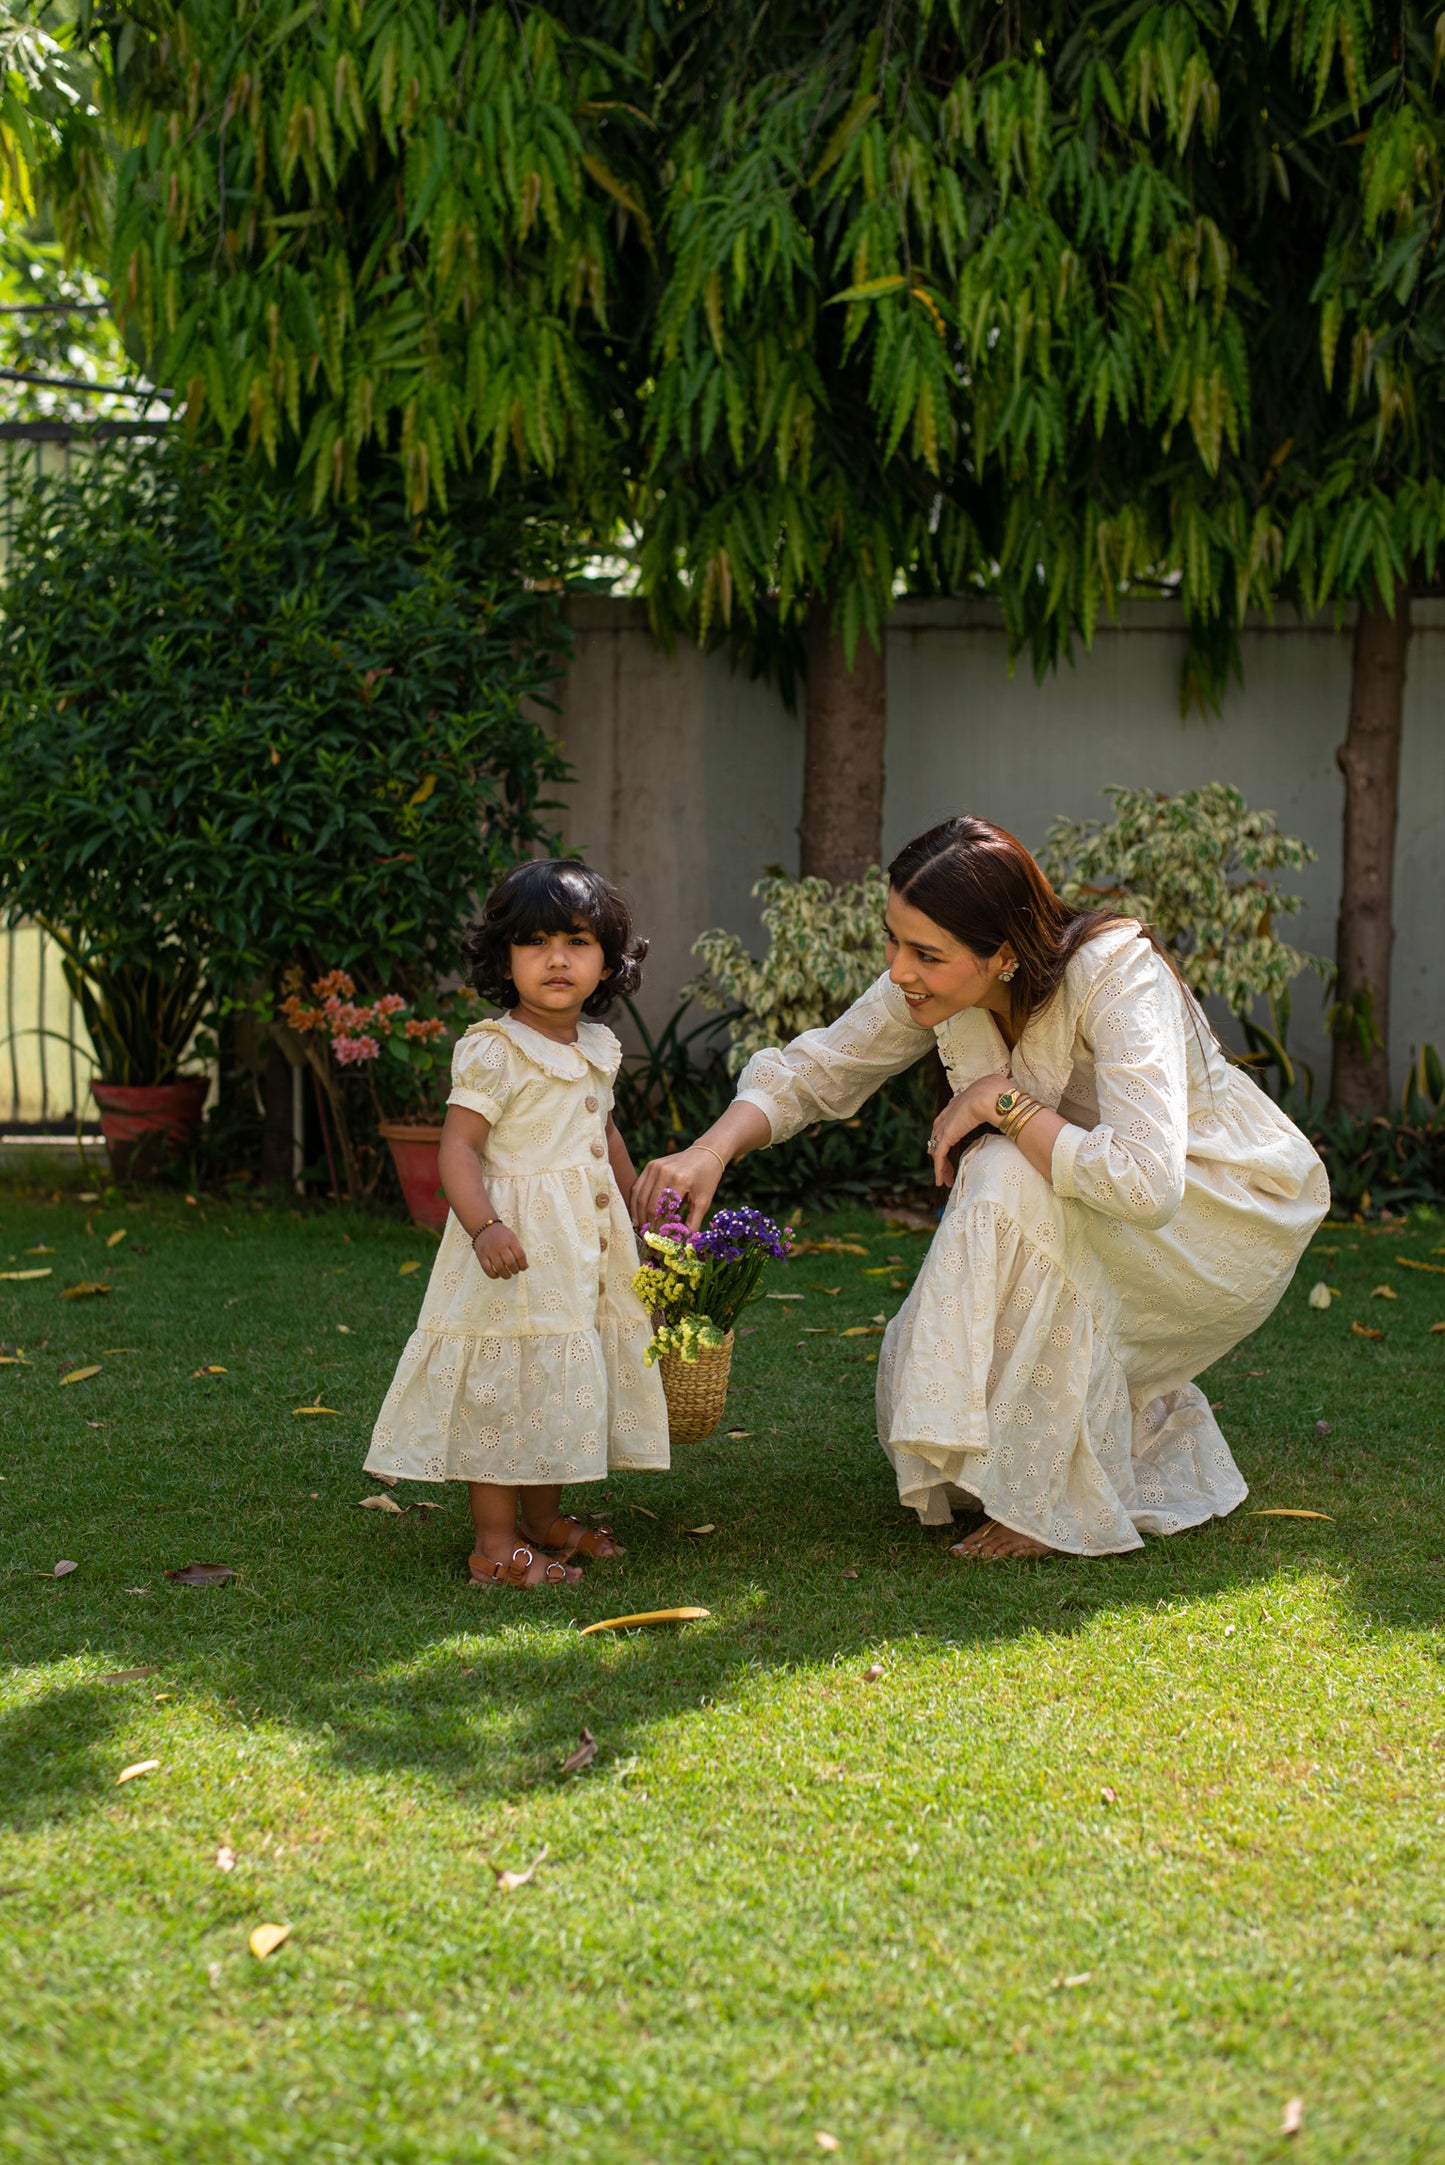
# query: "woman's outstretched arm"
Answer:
x=694 y=1173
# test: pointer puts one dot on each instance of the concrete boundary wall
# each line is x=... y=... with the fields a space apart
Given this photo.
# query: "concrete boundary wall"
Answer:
x=689 y=774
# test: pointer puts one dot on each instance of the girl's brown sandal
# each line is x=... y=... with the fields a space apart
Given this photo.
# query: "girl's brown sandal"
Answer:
x=571 y=1538
x=525 y=1569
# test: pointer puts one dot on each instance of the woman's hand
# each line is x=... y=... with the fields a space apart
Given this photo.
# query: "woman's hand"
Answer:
x=499 y=1252
x=694 y=1174
x=972 y=1108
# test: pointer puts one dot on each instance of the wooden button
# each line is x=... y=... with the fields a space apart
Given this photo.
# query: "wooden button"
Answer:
x=602 y=1242
x=591 y=1104
x=601 y=1201
x=599 y=1150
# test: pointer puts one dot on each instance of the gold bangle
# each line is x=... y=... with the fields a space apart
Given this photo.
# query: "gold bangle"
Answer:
x=722 y=1161
x=1018 y=1105
x=1016 y=1127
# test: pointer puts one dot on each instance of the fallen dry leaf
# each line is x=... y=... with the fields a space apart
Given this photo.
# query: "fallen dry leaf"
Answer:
x=87 y=1288
x=1079 y=1977
x=1363 y=1330
x=18 y=1360
x=1434 y=1327
x=267 y=1938
x=785 y=1296
x=872 y=1674
x=642 y=1510
x=825 y=2141
x=87 y=1195
x=1405 y=1262
x=80 y=1375
x=647 y=1616
x=317 y=1408
x=140 y=1766
x=408 y=1267
x=40 y=1249
x=708 y=1529
x=1293 y=2117
x=225 y=1858
x=827 y=1247
x=863 y=1330
x=582 y=1755
x=62 y=1570
x=1281 y=1513
x=212 y=1370
x=1384 y=1293
x=345 y=1329
x=124 y=1676
x=735 y=1435
x=880 y=1271
x=14 y=1276
x=1109 y=1794
x=383 y=1503
x=1321 y=1295
x=201 y=1575
x=911 y=1221
x=507 y=1881
x=850 y=1574
x=113 y=1240
x=1324 y=1428
x=426 y=1503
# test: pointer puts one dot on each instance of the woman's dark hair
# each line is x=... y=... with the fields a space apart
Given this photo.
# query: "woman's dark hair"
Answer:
x=979 y=882
x=553 y=894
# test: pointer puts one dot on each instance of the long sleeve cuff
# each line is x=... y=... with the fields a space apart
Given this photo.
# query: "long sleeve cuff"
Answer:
x=769 y=1108
x=1067 y=1144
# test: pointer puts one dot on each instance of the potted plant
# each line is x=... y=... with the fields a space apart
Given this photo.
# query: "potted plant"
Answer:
x=395 y=1051
x=142 y=1019
x=695 y=1286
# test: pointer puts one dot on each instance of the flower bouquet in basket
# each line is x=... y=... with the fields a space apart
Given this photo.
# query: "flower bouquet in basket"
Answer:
x=695 y=1286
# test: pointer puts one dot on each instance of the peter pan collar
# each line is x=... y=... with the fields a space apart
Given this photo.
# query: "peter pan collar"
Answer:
x=596 y=1047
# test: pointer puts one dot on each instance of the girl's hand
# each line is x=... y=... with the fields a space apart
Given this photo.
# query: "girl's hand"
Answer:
x=694 y=1174
x=970 y=1109
x=499 y=1252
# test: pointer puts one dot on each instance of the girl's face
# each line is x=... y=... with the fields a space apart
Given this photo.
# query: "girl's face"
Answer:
x=555 y=972
x=937 y=975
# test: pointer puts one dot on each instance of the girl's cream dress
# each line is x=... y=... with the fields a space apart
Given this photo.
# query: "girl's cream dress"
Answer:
x=540 y=1377
x=1043 y=1363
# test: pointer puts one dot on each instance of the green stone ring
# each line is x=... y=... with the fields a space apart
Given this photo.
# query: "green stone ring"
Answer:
x=1006 y=1101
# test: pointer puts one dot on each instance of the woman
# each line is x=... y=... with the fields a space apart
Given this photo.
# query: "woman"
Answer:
x=1139 y=1209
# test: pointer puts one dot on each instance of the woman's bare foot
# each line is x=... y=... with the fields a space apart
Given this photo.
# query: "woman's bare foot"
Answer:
x=991 y=1539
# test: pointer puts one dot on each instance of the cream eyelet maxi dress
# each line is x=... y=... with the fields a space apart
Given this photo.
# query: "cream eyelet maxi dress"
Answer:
x=1043 y=1363
x=540 y=1377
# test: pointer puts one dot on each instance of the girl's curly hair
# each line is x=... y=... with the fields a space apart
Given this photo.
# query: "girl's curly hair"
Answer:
x=553 y=894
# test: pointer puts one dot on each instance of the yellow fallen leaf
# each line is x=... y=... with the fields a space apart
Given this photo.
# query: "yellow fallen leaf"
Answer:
x=643 y=1511
x=211 y=1370
x=1363 y=1330
x=1384 y=1293
x=1292 y=2119
x=825 y=2141
x=41 y=1250
x=107 y=1351
x=13 y=1360
x=880 y=1270
x=647 y=1616
x=14 y=1276
x=317 y=1408
x=708 y=1529
x=818 y=1330
x=408 y=1267
x=863 y=1330
x=1321 y=1295
x=1281 y=1513
x=735 y=1435
x=1405 y=1262
x=141 y=1766
x=382 y=1503
x=507 y=1880
x=113 y=1240
x=1434 y=1327
x=785 y=1296
x=86 y=1290
x=80 y=1375
x=267 y=1938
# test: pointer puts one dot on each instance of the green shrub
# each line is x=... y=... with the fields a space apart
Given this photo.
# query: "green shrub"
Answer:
x=825 y=947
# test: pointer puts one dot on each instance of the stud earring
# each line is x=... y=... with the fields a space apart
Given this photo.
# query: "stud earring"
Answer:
x=1006 y=977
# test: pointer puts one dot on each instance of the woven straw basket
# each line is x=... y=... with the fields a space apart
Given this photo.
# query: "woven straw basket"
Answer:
x=696 y=1391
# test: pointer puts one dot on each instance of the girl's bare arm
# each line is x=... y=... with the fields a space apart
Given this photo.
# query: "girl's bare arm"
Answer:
x=496 y=1247
x=624 y=1172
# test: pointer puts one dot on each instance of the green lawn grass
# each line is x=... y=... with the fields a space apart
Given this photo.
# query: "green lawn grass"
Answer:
x=1114 y=1859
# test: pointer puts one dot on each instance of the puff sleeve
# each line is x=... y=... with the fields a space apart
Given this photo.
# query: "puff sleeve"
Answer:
x=484 y=1070
x=827 y=1074
x=1131 y=1166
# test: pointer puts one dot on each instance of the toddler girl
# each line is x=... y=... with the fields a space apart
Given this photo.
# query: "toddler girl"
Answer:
x=526 y=1367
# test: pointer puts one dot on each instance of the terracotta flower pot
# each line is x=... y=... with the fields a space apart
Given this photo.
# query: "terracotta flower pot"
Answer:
x=414 y=1154
x=146 y=1123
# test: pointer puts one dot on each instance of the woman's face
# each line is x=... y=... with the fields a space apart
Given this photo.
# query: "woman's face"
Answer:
x=937 y=975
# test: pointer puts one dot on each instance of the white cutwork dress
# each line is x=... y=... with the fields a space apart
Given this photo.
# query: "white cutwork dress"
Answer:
x=1043 y=1363
x=540 y=1377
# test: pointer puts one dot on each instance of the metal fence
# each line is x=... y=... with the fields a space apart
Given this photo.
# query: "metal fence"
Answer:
x=46 y=1061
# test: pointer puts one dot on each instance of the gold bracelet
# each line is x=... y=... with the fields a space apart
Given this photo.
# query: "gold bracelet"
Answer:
x=1019 y=1102
x=722 y=1161
x=1016 y=1127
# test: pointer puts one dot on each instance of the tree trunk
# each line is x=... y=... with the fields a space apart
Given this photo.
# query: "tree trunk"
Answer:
x=841 y=830
x=1369 y=759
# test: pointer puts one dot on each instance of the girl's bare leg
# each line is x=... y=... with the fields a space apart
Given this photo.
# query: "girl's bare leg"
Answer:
x=541 y=1504
x=494 y=1520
